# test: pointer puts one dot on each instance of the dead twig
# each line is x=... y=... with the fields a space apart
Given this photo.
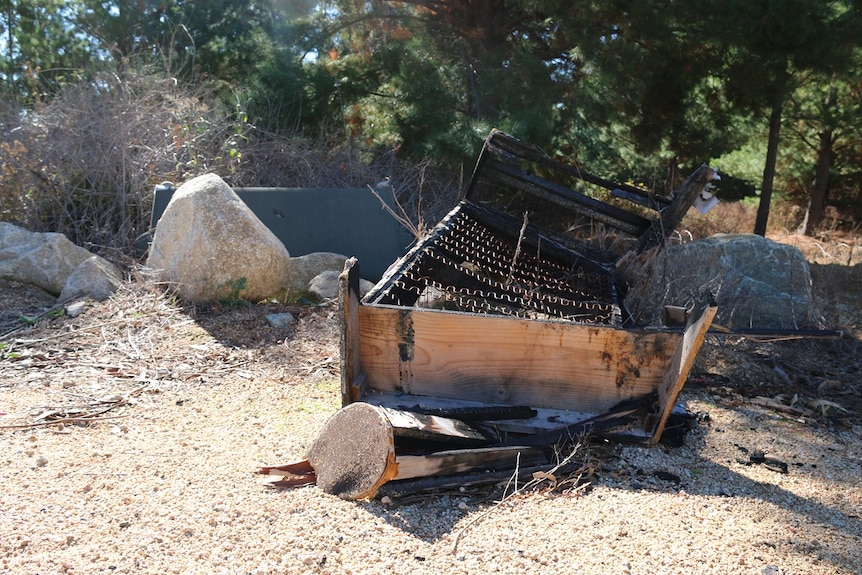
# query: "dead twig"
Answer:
x=538 y=478
x=31 y=321
x=81 y=414
x=778 y=406
x=416 y=229
x=88 y=418
x=88 y=328
x=518 y=248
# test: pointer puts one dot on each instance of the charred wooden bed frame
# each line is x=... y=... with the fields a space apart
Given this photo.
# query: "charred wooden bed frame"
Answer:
x=492 y=316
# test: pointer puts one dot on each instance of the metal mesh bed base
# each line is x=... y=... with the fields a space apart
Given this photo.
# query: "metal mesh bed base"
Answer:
x=469 y=266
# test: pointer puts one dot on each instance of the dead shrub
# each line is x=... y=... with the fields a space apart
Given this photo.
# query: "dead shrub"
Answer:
x=425 y=191
x=85 y=164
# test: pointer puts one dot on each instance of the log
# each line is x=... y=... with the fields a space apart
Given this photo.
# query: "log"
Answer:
x=355 y=452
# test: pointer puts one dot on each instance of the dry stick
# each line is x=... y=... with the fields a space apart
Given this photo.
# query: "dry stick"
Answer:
x=80 y=419
x=37 y=317
x=401 y=218
x=778 y=406
x=88 y=328
x=518 y=248
x=86 y=417
x=92 y=416
x=132 y=345
x=506 y=498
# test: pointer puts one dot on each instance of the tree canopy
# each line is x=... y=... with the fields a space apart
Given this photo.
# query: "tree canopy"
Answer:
x=642 y=91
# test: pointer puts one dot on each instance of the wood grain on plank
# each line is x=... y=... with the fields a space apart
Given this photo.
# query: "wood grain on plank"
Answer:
x=510 y=360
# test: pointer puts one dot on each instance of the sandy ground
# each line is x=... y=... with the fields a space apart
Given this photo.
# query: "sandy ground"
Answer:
x=143 y=423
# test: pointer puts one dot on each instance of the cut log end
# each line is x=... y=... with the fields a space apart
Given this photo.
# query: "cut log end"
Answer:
x=354 y=453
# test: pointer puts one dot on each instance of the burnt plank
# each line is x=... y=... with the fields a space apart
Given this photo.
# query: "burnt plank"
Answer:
x=404 y=487
x=348 y=295
x=433 y=428
x=650 y=201
x=546 y=419
x=467 y=414
x=671 y=216
x=507 y=148
x=348 y=292
x=680 y=365
x=504 y=360
x=453 y=462
x=568 y=198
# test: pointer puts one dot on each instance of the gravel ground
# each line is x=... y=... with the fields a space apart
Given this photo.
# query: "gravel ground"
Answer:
x=168 y=483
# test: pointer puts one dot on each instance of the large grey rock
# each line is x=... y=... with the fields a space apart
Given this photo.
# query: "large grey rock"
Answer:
x=211 y=246
x=45 y=260
x=756 y=282
x=95 y=278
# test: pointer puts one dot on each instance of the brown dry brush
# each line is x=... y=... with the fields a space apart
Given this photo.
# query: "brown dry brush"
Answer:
x=85 y=163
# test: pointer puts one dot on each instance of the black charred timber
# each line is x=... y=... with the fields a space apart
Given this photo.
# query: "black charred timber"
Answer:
x=671 y=215
x=507 y=146
x=406 y=487
x=619 y=415
x=469 y=414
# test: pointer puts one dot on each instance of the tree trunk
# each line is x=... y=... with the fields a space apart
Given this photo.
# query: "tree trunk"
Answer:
x=768 y=170
x=483 y=24
x=820 y=187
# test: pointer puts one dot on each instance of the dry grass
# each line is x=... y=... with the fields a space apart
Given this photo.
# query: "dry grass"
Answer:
x=739 y=218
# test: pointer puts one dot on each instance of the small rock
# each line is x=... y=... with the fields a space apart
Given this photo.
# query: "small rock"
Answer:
x=75 y=309
x=280 y=320
x=667 y=476
x=304 y=268
x=324 y=285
